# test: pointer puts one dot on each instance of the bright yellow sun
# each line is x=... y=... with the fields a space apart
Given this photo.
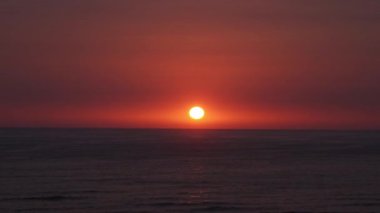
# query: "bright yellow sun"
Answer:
x=196 y=113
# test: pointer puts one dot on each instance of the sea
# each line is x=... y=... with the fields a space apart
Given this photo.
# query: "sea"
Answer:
x=168 y=170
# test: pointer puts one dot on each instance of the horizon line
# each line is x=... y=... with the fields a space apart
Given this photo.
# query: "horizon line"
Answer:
x=213 y=129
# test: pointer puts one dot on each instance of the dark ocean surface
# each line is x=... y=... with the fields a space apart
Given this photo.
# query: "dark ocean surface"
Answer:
x=116 y=170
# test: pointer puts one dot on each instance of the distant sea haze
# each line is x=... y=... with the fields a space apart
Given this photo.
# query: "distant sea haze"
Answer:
x=131 y=170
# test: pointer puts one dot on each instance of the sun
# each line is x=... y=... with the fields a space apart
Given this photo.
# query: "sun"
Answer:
x=196 y=113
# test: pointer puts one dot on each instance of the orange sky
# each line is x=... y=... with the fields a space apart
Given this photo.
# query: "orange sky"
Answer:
x=143 y=63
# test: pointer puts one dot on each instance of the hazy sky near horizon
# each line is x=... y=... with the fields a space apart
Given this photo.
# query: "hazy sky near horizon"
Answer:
x=142 y=63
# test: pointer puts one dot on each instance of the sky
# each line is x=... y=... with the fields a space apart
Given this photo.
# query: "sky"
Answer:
x=293 y=64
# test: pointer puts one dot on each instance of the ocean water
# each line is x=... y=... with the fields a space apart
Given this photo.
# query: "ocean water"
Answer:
x=125 y=170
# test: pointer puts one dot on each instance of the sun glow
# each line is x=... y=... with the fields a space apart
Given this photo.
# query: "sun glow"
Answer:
x=196 y=113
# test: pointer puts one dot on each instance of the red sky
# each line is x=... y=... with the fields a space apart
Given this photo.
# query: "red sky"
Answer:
x=143 y=63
